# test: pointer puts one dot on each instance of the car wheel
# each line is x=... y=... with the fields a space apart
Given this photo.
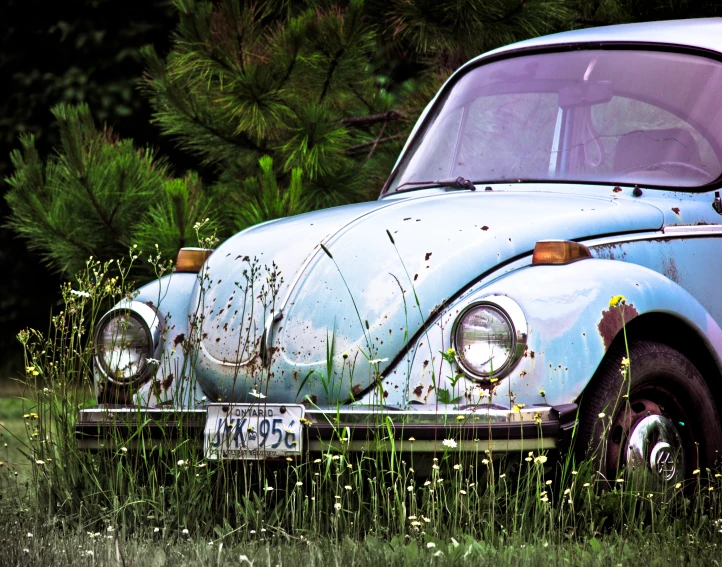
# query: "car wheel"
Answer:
x=661 y=420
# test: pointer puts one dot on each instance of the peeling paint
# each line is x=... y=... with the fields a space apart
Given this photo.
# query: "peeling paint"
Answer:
x=611 y=321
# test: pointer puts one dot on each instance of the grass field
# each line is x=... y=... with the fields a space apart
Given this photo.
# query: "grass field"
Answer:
x=62 y=546
x=13 y=432
x=133 y=504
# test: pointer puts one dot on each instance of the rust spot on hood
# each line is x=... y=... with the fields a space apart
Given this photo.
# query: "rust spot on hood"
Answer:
x=675 y=210
x=419 y=390
x=167 y=381
x=611 y=321
x=356 y=390
x=179 y=339
x=428 y=255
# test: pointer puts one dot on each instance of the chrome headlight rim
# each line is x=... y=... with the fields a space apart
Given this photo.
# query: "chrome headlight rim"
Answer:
x=514 y=316
x=152 y=324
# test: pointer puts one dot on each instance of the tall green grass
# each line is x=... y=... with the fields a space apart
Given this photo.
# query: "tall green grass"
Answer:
x=408 y=500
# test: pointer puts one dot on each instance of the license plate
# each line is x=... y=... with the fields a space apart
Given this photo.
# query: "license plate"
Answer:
x=253 y=431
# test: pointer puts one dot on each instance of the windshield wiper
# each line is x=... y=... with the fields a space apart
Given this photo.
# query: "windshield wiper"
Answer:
x=458 y=183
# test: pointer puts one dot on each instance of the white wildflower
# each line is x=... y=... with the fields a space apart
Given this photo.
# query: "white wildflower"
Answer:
x=450 y=443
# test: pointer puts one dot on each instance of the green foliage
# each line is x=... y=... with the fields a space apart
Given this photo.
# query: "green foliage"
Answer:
x=98 y=196
x=451 y=33
x=299 y=86
x=262 y=199
x=286 y=106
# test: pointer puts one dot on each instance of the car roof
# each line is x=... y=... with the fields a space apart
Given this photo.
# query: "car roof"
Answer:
x=704 y=33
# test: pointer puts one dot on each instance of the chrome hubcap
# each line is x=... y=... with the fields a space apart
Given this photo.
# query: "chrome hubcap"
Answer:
x=655 y=446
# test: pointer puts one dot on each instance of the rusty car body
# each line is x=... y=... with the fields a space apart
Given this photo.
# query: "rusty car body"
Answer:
x=543 y=253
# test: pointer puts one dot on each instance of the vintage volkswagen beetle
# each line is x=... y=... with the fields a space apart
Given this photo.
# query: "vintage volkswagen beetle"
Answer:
x=541 y=263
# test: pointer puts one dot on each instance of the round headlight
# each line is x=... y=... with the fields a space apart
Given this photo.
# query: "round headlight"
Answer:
x=487 y=339
x=123 y=345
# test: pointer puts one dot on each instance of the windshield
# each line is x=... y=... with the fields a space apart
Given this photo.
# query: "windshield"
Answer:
x=617 y=116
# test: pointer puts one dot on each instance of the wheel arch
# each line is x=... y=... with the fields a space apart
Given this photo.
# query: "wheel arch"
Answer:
x=671 y=330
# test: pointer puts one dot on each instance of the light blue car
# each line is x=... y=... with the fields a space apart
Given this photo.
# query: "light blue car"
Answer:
x=541 y=266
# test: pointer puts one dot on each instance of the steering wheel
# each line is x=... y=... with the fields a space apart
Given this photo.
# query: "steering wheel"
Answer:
x=666 y=166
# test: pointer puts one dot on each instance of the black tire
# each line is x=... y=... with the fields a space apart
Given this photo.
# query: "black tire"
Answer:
x=663 y=382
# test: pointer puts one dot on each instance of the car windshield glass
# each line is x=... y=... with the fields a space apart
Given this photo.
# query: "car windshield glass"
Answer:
x=618 y=116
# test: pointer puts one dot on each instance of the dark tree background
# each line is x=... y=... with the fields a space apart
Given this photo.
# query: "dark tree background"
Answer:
x=72 y=51
x=90 y=51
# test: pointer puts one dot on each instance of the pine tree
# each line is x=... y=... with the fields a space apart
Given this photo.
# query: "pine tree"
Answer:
x=98 y=196
x=297 y=85
x=288 y=106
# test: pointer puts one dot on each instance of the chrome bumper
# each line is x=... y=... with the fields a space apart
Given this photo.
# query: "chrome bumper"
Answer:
x=420 y=429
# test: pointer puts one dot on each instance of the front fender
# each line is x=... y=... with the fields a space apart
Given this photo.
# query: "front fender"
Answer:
x=570 y=327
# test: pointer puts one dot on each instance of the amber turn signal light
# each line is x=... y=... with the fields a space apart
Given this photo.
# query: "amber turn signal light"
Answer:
x=558 y=252
x=191 y=259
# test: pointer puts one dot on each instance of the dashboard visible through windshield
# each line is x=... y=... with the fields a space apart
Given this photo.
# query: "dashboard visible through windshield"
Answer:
x=617 y=116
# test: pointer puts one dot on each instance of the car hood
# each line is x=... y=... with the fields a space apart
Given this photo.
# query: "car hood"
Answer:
x=343 y=313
